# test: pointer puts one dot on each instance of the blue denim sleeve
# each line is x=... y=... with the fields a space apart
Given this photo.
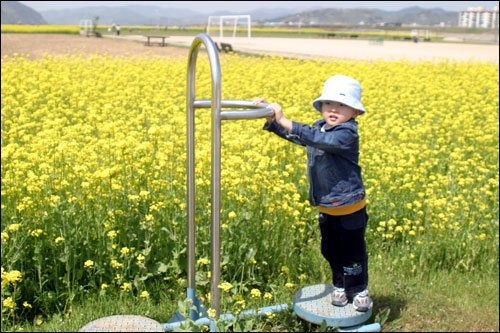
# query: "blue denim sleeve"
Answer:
x=340 y=138
x=281 y=132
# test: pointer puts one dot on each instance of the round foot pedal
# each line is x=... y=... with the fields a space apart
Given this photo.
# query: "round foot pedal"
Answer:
x=313 y=304
x=125 y=323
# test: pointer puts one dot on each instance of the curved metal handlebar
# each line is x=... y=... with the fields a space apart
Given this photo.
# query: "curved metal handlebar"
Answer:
x=216 y=103
x=256 y=110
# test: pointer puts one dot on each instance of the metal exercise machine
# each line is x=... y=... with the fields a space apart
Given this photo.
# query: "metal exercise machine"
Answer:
x=251 y=111
x=128 y=323
x=310 y=303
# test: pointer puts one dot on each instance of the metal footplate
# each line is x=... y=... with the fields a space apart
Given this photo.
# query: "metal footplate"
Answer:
x=125 y=323
x=313 y=304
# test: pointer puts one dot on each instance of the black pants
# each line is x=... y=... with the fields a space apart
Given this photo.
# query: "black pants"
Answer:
x=343 y=246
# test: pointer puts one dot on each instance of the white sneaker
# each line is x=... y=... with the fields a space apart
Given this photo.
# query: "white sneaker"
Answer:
x=362 y=301
x=339 y=297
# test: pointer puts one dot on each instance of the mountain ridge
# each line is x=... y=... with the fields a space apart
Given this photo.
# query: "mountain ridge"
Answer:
x=155 y=15
x=14 y=12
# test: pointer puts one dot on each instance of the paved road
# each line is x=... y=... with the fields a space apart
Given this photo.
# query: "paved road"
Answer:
x=309 y=48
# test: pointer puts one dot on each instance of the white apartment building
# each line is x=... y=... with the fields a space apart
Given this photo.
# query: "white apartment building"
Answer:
x=478 y=17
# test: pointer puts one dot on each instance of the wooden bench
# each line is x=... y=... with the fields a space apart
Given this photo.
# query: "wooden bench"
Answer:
x=162 y=43
x=376 y=40
x=226 y=47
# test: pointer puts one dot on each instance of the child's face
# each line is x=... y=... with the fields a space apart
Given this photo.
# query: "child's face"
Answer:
x=336 y=113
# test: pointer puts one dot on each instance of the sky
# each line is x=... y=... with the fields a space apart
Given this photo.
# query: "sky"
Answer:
x=241 y=6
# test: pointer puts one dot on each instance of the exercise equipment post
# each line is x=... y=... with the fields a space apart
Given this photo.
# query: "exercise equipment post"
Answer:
x=129 y=323
x=216 y=103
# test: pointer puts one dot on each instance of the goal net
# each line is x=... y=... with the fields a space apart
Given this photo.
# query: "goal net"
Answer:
x=224 y=23
x=85 y=27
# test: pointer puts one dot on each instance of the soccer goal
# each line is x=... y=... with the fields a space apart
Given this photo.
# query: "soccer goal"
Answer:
x=85 y=27
x=234 y=20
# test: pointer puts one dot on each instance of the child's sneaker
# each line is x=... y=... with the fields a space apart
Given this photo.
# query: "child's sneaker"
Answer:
x=339 y=297
x=362 y=301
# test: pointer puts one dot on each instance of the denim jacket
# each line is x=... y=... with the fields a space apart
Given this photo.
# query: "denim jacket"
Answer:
x=332 y=161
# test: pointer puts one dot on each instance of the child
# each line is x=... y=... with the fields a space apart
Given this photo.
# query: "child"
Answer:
x=335 y=183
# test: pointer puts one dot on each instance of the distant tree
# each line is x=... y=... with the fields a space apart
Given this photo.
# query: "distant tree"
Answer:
x=95 y=21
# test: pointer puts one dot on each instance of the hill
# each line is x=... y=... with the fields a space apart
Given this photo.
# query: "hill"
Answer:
x=147 y=15
x=365 y=16
x=14 y=12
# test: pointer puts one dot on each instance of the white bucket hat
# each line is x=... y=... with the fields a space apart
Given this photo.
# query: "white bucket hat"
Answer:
x=342 y=89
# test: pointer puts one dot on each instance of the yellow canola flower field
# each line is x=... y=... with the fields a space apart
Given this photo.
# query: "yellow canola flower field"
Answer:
x=43 y=29
x=93 y=162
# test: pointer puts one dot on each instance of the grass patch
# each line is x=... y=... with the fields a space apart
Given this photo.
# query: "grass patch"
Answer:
x=447 y=302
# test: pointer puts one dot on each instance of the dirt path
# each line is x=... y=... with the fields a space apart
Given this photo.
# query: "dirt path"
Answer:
x=37 y=44
x=308 y=48
x=321 y=48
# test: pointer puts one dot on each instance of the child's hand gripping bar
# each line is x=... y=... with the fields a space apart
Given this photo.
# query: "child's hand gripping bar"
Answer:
x=254 y=111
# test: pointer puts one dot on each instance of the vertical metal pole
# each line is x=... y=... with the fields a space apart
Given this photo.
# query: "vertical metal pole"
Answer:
x=190 y=165
x=249 y=26
x=234 y=28
x=221 y=33
x=213 y=57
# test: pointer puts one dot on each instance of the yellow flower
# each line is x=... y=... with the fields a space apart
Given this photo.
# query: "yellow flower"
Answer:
x=5 y=237
x=115 y=264
x=232 y=215
x=144 y=194
x=225 y=286
x=144 y=294
x=289 y=285
x=255 y=293
x=11 y=278
x=14 y=227
x=125 y=251
x=36 y=233
x=88 y=264
x=270 y=315
x=268 y=295
x=26 y=305
x=126 y=287
x=111 y=234
x=58 y=240
x=211 y=313
x=8 y=303
x=104 y=286
x=202 y=261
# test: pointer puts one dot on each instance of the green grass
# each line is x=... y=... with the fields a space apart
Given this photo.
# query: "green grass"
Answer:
x=447 y=301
